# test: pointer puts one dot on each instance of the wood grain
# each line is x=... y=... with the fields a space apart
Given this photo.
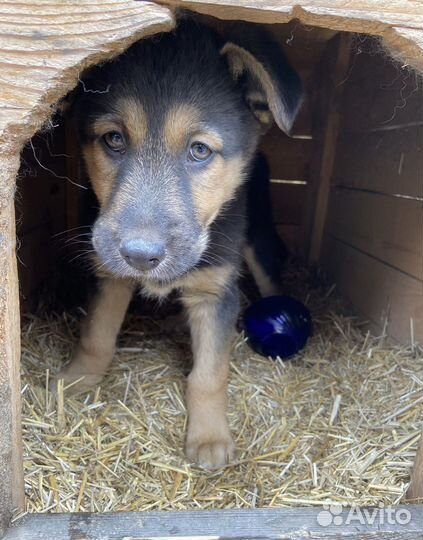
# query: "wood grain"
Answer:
x=380 y=94
x=254 y=524
x=293 y=238
x=326 y=123
x=11 y=477
x=415 y=490
x=288 y=203
x=44 y=48
x=387 y=228
x=379 y=163
x=399 y=22
x=377 y=291
x=388 y=162
x=289 y=158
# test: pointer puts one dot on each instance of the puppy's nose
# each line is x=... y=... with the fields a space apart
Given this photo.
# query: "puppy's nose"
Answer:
x=141 y=253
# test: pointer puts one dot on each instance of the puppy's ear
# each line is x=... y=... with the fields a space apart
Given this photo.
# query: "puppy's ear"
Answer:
x=270 y=85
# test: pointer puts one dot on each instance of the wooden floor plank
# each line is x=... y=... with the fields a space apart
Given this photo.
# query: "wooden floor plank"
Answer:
x=257 y=524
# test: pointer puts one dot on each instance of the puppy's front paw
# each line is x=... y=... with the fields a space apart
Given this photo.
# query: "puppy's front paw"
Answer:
x=211 y=452
x=77 y=377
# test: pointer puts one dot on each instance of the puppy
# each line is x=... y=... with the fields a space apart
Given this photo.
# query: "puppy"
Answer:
x=264 y=251
x=169 y=132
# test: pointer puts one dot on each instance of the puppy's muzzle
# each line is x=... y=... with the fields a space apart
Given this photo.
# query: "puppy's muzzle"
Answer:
x=143 y=253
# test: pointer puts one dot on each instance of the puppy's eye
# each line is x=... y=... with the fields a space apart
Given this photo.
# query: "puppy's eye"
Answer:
x=199 y=152
x=115 y=141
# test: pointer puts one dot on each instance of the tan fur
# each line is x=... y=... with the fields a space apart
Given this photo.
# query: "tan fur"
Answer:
x=130 y=120
x=101 y=170
x=415 y=491
x=106 y=123
x=215 y=185
x=181 y=120
x=263 y=281
x=209 y=442
x=134 y=120
x=241 y=60
x=210 y=279
x=98 y=334
x=217 y=182
x=264 y=117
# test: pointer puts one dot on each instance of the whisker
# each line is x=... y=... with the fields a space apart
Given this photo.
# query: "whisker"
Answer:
x=222 y=234
x=81 y=254
x=72 y=229
x=237 y=252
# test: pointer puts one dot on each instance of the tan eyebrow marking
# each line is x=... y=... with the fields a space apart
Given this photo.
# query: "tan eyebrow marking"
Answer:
x=210 y=138
x=178 y=124
x=106 y=123
x=134 y=119
x=129 y=117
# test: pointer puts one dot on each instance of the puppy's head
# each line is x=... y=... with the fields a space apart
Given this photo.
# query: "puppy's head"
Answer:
x=168 y=130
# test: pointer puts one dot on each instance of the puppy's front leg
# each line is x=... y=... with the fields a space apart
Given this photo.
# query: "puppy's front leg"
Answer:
x=212 y=315
x=98 y=334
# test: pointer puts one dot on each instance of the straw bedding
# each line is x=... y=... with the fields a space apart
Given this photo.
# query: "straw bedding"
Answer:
x=340 y=422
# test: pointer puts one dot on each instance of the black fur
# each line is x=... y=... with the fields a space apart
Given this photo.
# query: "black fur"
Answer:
x=262 y=236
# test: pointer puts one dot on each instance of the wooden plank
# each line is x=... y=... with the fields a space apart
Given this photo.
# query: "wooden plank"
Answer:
x=399 y=22
x=363 y=13
x=288 y=203
x=35 y=260
x=45 y=46
x=11 y=464
x=379 y=92
x=254 y=524
x=326 y=135
x=41 y=184
x=292 y=237
x=389 y=161
x=388 y=228
x=288 y=158
x=415 y=489
x=377 y=291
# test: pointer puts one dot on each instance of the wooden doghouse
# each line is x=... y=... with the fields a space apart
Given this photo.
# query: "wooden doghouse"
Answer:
x=348 y=195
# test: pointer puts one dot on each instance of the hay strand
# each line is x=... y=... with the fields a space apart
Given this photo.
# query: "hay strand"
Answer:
x=338 y=423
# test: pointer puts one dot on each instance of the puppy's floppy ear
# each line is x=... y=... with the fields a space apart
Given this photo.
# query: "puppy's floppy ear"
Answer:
x=270 y=85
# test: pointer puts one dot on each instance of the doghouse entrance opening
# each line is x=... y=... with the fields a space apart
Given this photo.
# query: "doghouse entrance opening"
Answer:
x=340 y=420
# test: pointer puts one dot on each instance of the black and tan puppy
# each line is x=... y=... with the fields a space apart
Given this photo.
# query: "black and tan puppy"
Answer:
x=169 y=132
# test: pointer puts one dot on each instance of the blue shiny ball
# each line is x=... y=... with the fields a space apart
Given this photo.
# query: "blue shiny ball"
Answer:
x=277 y=326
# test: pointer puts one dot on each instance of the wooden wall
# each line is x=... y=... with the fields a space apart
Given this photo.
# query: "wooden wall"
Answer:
x=290 y=157
x=40 y=210
x=48 y=203
x=373 y=239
